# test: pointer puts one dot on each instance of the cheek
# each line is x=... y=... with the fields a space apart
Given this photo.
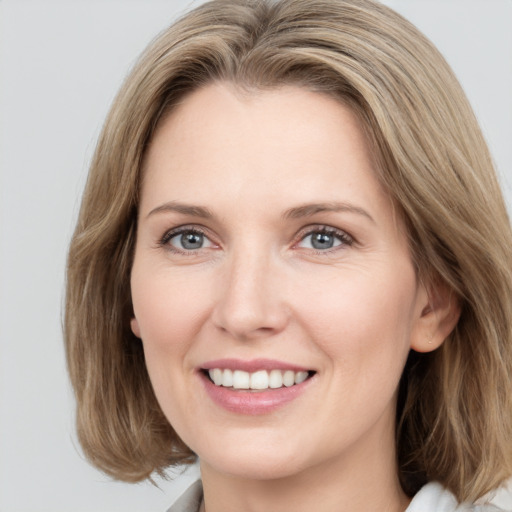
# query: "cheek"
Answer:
x=169 y=312
x=168 y=309
x=361 y=319
x=362 y=326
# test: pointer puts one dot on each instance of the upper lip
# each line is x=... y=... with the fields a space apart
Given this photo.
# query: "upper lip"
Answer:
x=252 y=365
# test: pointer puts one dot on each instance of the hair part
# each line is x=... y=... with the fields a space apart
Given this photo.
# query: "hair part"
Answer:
x=454 y=415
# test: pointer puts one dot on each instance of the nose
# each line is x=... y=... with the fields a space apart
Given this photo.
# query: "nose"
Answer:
x=251 y=303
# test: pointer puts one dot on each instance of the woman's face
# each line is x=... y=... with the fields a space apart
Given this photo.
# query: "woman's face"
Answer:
x=268 y=253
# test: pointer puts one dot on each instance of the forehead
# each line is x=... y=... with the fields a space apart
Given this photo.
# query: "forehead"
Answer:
x=258 y=141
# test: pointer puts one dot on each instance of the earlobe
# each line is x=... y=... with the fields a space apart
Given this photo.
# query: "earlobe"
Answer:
x=135 y=327
x=438 y=317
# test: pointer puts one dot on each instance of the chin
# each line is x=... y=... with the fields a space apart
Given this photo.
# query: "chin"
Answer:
x=260 y=470
x=257 y=463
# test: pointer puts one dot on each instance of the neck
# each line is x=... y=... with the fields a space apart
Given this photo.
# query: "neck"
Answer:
x=356 y=484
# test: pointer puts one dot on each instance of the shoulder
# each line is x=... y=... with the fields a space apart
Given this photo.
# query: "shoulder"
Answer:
x=433 y=497
x=190 y=500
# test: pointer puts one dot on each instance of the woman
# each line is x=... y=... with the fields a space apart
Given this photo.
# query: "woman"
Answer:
x=292 y=261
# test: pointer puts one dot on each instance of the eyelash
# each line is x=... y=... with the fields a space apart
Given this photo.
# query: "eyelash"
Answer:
x=342 y=236
x=169 y=235
x=345 y=239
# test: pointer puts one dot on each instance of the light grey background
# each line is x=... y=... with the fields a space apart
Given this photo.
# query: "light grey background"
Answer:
x=61 y=64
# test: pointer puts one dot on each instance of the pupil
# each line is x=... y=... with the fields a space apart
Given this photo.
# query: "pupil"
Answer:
x=192 y=240
x=322 y=241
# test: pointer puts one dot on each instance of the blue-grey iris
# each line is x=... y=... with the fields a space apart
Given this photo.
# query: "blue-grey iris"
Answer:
x=192 y=241
x=322 y=240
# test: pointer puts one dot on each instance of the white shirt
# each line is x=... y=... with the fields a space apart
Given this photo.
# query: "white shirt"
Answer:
x=433 y=497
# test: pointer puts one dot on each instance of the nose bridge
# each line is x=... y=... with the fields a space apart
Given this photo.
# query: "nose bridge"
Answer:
x=251 y=302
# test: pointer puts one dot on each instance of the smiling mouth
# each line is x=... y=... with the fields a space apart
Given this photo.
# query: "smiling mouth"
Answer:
x=256 y=381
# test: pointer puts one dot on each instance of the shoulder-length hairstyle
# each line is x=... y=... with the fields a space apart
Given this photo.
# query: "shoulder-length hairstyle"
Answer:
x=454 y=412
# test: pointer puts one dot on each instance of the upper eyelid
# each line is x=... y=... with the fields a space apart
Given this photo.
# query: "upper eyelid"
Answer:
x=194 y=228
x=308 y=230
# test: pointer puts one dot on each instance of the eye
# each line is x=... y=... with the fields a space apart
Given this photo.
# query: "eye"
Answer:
x=186 y=240
x=324 y=238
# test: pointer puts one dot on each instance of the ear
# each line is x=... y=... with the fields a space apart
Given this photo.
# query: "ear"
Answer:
x=135 y=327
x=439 y=312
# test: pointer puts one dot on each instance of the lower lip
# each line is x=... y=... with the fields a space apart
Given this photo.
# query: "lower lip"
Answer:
x=253 y=402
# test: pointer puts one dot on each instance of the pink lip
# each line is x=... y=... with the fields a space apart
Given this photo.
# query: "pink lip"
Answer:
x=250 y=402
x=253 y=365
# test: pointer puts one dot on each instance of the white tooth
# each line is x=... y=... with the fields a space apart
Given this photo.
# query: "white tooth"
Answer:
x=227 y=378
x=241 y=379
x=275 y=379
x=216 y=376
x=259 y=380
x=300 y=377
x=289 y=378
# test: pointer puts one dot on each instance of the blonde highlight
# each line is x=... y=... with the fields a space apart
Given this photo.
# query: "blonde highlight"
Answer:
x=454 y=419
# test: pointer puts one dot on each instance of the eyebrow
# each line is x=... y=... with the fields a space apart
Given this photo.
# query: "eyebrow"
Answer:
x=186 y=209
x=308 y=210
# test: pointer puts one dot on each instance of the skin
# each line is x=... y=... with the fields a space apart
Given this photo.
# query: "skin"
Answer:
x=258 y=289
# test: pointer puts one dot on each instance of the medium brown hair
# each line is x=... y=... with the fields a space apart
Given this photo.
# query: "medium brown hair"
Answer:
x=454 y=415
